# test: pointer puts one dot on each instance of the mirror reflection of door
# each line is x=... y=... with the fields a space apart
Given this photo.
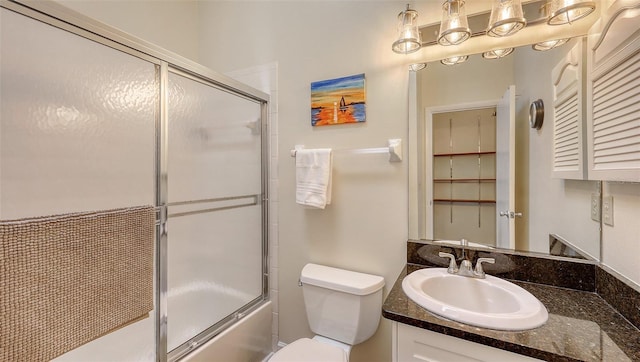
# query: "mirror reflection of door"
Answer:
x=505 y=170
x=469 y=172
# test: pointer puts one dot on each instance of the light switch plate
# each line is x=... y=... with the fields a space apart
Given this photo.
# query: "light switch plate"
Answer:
x=595 y=207
x=607 y=210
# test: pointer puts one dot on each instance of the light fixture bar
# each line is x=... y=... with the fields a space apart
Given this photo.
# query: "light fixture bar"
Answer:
x=507 y=18
x=549 y=44
x=477 y=23
x=454 y=28
x=409 y=38
x=497 y=54
x=454 y=60
x=415 y=67
x=567 y=11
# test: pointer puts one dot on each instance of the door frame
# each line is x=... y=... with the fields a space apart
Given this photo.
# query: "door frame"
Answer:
x=425 y=168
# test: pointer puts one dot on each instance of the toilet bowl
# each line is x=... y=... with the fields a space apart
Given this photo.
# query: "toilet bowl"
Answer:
x=343 y=309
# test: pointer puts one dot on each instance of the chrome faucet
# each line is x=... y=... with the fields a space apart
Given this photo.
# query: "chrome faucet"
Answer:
x=464 y=243
x=465 y=268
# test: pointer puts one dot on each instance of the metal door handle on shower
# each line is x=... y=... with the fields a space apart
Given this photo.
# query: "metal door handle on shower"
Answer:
x=510 y=214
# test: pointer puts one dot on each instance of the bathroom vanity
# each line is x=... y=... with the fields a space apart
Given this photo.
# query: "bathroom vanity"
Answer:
x=592 y=315
x=416 y=344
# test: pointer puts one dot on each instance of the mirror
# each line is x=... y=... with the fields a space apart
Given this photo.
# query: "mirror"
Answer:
x=556 y=214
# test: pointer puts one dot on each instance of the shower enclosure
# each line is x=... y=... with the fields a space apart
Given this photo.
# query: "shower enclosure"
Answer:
x=92 y=119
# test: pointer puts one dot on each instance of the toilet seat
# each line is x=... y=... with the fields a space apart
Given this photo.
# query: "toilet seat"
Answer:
x=309 y=350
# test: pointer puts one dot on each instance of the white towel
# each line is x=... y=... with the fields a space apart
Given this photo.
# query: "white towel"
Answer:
x=313 y=177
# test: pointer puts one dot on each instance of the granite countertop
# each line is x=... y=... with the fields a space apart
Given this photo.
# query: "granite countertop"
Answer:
x=581 y=325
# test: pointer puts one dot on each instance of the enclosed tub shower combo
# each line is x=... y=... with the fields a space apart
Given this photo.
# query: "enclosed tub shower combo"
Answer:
x=133 y=194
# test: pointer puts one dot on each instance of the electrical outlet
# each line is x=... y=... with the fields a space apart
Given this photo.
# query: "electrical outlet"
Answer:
x=595 y=207
x=607 y=210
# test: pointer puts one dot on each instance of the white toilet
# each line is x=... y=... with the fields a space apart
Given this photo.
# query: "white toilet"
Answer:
x=343 y=309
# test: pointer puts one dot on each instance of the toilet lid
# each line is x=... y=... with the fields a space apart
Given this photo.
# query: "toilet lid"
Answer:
x=309 y=350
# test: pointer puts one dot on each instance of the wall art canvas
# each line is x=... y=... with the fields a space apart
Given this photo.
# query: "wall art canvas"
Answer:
x=338 y=101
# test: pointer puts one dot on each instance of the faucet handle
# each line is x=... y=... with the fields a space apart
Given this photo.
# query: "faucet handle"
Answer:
x=453 y=266
x=479 y=271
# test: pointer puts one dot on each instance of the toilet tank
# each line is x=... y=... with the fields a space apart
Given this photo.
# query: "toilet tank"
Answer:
x=342 y=305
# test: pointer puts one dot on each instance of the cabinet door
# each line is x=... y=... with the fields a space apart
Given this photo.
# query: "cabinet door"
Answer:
x=416 y=344
x=568 y=116
x=613 y=94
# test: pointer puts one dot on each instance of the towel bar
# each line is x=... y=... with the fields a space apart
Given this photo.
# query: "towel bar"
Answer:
x=394 y=149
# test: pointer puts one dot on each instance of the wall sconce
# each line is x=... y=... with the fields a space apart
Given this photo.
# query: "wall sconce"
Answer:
x=567 y=11
x=548 y=45
x=454 y=28
x=408 y=33
x=498 y=53
x=506 y=18
x=454 y=60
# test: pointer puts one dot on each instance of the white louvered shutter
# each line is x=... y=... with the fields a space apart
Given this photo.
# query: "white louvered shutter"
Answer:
x=613 y=94
x=568 y=116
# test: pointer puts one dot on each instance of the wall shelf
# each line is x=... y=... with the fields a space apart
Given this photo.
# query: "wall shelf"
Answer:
x=464 y=154
x=451 y=180
x=466 y=201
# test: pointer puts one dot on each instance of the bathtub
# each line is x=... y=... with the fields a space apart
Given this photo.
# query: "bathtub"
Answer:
x=247 y=340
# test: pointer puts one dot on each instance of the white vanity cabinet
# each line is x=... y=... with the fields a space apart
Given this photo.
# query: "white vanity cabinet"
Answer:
x=415 y=344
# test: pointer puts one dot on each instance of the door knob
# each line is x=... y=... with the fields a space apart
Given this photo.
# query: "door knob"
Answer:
x=510 y=214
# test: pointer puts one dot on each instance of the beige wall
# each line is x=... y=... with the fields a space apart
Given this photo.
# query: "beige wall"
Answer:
x=171 y=24
x=621 y=242
x=365 y=227
x=473 y=81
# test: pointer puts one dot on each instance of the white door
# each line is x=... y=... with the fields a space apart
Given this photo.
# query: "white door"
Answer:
x=505 y=170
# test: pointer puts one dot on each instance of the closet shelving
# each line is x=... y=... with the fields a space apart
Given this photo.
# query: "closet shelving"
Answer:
x=464 y=180
x=464 y=153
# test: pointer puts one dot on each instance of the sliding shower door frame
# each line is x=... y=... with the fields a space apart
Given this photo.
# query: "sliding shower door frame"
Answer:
x=63 y=18
x=261 y=199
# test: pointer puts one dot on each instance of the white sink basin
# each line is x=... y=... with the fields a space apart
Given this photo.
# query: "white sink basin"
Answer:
x=489 y=303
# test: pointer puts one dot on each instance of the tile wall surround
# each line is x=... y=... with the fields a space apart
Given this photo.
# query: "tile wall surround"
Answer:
x=273 y=202
x=265 y=78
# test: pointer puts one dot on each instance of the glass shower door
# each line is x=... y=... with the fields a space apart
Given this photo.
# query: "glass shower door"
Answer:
x=77 y=135
x=89 y=124
x=215 y=218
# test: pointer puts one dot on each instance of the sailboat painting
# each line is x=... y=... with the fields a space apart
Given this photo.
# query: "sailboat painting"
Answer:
x=338 y=101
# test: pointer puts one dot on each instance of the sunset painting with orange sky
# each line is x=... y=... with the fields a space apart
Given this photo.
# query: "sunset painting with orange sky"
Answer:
x=338 y=101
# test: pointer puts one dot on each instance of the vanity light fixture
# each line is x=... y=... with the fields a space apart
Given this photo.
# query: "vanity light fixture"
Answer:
x=417 y=66
x=567 y=11
x=454 y=28
x=409 y=39
x=498 y=53
x=454 y=60
x=549 y=44
x=506 y=18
